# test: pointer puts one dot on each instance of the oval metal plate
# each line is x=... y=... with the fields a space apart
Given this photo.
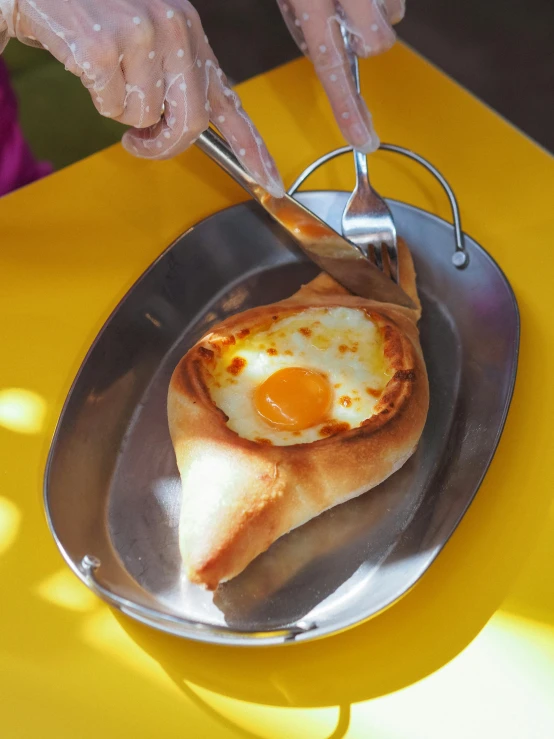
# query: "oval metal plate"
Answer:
x=112 y=487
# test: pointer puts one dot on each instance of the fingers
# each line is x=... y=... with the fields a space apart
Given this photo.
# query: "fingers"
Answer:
x=369 y=21
x=183 y=88
x=229 y=116
x=185 y=117
x=369 y=25
x=189 y=105
x=142 y=68
x=395 y=9
x=195 y=91
x=320 y=28
x=107 y=90
x=349 y=108
x=316 y=27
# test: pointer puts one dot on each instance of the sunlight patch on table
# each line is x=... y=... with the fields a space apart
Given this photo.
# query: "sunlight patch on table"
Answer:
x=505 y=677
x=273 y=722
x=103 y=632
x=10 y=519
x=22 y=411
x=64 y=589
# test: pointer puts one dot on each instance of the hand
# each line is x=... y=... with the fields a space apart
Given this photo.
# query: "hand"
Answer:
x=316 y=27
x=148 y=64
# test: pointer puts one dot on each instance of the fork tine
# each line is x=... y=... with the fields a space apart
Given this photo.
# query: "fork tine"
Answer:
x=392 y=259
x=378 y=256
x=374 y=254
x=384 y=257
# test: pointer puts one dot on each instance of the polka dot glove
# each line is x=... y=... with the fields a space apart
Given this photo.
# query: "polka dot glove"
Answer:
x=316 y=28
x=148 y=64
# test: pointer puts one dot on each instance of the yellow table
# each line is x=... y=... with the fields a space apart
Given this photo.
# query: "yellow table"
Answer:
x=470 y=651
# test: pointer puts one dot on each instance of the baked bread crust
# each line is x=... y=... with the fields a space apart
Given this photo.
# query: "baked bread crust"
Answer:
x=239 y=496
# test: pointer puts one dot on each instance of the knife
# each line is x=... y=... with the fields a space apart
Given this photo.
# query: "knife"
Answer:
x=344 y=261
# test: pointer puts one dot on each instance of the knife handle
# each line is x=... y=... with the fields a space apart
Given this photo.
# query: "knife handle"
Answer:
x=215 y=146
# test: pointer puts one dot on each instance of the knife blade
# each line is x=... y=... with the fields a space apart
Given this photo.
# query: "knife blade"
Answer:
x=344 y=261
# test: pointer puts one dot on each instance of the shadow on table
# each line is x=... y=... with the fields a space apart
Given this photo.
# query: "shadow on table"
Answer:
x=415 y=637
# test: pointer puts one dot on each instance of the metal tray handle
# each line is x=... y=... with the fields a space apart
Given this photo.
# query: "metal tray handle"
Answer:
x=460 y=257
x=152 y=617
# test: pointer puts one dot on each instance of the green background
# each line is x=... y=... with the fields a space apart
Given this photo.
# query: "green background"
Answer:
x=56 y=112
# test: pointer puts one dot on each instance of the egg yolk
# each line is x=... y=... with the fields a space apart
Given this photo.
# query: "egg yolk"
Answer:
x=294 y=398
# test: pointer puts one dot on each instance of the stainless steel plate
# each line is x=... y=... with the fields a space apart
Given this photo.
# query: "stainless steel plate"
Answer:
x=112 y=488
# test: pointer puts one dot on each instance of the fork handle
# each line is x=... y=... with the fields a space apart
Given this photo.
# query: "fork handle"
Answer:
x=360 y=159
x=360 y=162
x=352 y=58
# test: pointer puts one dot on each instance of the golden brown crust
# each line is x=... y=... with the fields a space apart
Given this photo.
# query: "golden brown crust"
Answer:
x=239 y=496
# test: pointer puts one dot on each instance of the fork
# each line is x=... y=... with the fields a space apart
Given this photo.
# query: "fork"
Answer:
x=367 y=221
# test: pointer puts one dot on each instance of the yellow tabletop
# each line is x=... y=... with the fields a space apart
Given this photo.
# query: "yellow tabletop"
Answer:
x=469 y=652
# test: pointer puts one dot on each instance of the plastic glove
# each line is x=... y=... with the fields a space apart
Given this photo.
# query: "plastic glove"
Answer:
x=148 y=64
x=316 y=27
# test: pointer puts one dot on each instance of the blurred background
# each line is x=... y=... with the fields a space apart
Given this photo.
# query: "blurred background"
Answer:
x=501 y=50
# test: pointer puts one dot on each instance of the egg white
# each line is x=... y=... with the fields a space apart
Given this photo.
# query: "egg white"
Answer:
x=342 y=343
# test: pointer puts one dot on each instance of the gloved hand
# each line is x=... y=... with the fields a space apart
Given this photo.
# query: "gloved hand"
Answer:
x=148 y=64
x=316 y=27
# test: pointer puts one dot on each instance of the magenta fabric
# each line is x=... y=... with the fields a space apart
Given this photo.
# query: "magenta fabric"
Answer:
x=18 y=167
